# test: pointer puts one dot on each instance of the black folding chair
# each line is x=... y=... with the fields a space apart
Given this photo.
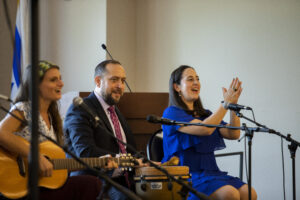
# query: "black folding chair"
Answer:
x=155 y=151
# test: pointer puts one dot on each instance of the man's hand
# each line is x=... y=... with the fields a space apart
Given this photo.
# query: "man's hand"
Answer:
x=147 y=164
x=110 y=164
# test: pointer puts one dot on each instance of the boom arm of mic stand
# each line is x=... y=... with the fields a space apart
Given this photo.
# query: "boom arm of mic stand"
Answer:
x=119 y=187
x=98 y=122
x=198 y=194
x=24 y=123
x=292 y=147
x=263 y=128
x=179 y=181
x=256 y=129
x=249 y=132
x=207 y=125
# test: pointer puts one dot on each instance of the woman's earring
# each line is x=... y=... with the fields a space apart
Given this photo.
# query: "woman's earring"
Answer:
x=179 y=93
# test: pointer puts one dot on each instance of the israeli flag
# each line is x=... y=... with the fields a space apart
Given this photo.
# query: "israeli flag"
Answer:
x=21 y=48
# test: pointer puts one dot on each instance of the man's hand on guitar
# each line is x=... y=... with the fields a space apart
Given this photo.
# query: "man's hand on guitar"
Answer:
x=141 y=163
x=110 y=163
x=46 y=167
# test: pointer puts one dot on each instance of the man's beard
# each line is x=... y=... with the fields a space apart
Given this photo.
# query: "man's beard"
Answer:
x=108 y=98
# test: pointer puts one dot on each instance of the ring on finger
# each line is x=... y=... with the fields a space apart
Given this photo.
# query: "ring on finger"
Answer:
x=234 y=89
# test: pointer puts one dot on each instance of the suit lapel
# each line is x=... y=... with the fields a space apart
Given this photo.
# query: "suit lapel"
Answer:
x=100 y=111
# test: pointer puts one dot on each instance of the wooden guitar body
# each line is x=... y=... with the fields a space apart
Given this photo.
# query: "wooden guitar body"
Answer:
x=14 y=170
x=14 y=185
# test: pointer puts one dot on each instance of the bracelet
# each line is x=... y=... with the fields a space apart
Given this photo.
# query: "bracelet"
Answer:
x=225 y=104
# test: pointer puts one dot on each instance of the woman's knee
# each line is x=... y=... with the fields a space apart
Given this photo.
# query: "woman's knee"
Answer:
x=226 y=192
x=244 y=193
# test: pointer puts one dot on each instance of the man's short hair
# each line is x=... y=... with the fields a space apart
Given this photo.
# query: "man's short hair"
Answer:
x=100 y=69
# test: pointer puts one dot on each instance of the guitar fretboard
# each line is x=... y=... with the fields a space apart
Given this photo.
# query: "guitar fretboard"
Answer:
x=72 y=164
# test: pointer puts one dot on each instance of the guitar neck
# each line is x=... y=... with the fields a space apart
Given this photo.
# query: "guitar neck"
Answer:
x=72 y=164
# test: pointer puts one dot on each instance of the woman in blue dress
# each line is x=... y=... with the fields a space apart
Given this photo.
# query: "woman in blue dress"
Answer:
x=195 y=145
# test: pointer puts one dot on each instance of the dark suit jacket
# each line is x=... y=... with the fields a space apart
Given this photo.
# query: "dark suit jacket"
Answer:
x=85 y=139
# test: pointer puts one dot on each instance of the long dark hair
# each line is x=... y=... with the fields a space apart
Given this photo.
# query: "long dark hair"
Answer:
x=175 y=99
x=23 y=95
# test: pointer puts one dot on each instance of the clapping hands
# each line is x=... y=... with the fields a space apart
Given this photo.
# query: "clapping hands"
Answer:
x=232 y=94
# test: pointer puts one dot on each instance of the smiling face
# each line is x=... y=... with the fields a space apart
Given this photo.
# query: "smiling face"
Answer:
x=51 y=85
x=189 y=87
x=112 y=83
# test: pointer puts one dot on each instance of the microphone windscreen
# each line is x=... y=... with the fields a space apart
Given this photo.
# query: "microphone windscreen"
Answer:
x=77 y=101
x=151 y=118
x=103 y=46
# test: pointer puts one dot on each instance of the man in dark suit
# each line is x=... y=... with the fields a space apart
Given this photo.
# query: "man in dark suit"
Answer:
x=84 y=138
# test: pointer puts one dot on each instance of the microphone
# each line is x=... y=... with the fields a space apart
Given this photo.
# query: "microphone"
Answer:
x=103 y=46
x=235 y=107
x=105 y=49
x=78 y=101
x=160 y=120
x=5 y=98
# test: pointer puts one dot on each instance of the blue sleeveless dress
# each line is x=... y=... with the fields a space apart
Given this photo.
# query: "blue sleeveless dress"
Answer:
x=197 y=152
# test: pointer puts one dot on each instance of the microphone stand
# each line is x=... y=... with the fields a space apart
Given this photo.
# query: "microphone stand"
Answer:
x=185 y=187
x=33 y=95
x=292 y=147
x=105 y=49
x=249 y=133
x=200 y=195
x=121 y=188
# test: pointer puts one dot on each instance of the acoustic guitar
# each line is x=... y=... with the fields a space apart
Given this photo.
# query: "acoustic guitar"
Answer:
x=14 y=169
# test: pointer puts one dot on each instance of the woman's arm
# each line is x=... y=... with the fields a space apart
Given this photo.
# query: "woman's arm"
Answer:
x=230 y=133
x=231 y=96
x=214 y=118
x=15 y=144
x=10 y=141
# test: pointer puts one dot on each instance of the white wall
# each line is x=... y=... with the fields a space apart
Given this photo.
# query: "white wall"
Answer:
x=257 y=40
x=71 y=36
x=121 y=36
